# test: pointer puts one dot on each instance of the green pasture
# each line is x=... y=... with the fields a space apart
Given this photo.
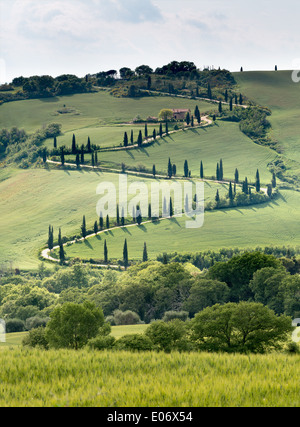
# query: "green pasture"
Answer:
x=274 y=223
x=89 y=110
x=279 y=92
x=33 y=199
x=208 y=145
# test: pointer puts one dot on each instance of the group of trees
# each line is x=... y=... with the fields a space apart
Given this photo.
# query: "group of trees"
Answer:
x=246 y=287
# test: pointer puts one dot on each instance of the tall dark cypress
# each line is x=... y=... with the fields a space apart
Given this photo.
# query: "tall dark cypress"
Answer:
x=140 y=139
x=236 y=176
x=218 y=172
x=257 y=183
x=83 y=227
x=50 y=238
x=62 y=255
x=74 y=149
x=170 y=169
x=125 y=254
x=105 y=252
x=186 y=169
x=145 y=253
x=201 y=170
x=125 y=140
x=221 y=170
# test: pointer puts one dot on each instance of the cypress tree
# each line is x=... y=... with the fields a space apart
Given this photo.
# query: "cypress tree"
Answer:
x=122 y=218
x=201 y=170
x=154 y=134
x=197 y=114
x=118 y=215
x=154 y=170
x=269 y=190
x=55 y=142
x=218 y=172
x=74 y=149
x=167 y=129
x=131 y=137
x=231 y=104
x=82 y=155
x=188 y=118
x=105 y=252
x=220 y=107
x=96 y=227
x=50 y=238
x=236 y=99
x=62 y=156
x=257 y=183
x=217 y=198
x=146 y=131
x=170 y=169
x=96 y=158
x=93 y=159
x=107 y=222
x=171 y=207
x=221 y=170
x=140 y=139
x=192 y=121
x=241 y=99
x=139 y=218
x=125 y=140
x=133 y=214
x=245 y=187
x=274 y=183
x=62 y=255
x=236 y=176
x=145 y=253
x=101 y=221
x=174 y=169
x=83 y=228
x=226 y=95
x=125 y=254
x=149 y=211
x=44 y=155
x=186 y=169
x=160 y=130
x=88 y=145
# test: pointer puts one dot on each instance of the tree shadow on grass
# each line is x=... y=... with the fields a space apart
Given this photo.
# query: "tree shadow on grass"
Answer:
x=125 y=229
x=87 y=243
x=143 y=228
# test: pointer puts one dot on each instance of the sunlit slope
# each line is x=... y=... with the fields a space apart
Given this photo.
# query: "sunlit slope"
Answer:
x=31 y=200
x=276 y=223
x=209 y=145
x=281 y=94
x=89 y=109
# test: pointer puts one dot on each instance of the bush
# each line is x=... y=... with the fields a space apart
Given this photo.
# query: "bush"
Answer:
x=35 y=322
x=167 y=336
x=134 y=342
x=171 y=315
x=101 y=342
x=15 y=325
x=36 y=338
x=126 y=317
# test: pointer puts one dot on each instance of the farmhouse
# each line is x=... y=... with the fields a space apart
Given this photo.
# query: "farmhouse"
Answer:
x=180 y=114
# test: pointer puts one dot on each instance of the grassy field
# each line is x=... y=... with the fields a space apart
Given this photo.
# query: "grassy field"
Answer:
x=277 y=91
x=15 y=339
x=31 y=200
x=120 y=379
x=92 y=109
x=260 y=225
x=207 y=144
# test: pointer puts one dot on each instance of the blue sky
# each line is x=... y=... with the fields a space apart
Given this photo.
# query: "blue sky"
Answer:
x=87 y=36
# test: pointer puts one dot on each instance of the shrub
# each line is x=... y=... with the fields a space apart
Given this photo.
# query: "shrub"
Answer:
x=35 y=322
x=36 y=338
x=126 y=317
x=101 y=342
x=171 y=315
x=134 y=342
x=15 y=325
x=167 y=336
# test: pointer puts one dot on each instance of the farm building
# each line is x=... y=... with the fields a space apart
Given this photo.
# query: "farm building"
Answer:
x=180 y=114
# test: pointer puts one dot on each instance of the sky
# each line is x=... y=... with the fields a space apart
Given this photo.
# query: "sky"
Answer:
x=87 y=36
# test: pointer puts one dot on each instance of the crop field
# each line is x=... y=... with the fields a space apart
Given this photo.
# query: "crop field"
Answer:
x=84 y=379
